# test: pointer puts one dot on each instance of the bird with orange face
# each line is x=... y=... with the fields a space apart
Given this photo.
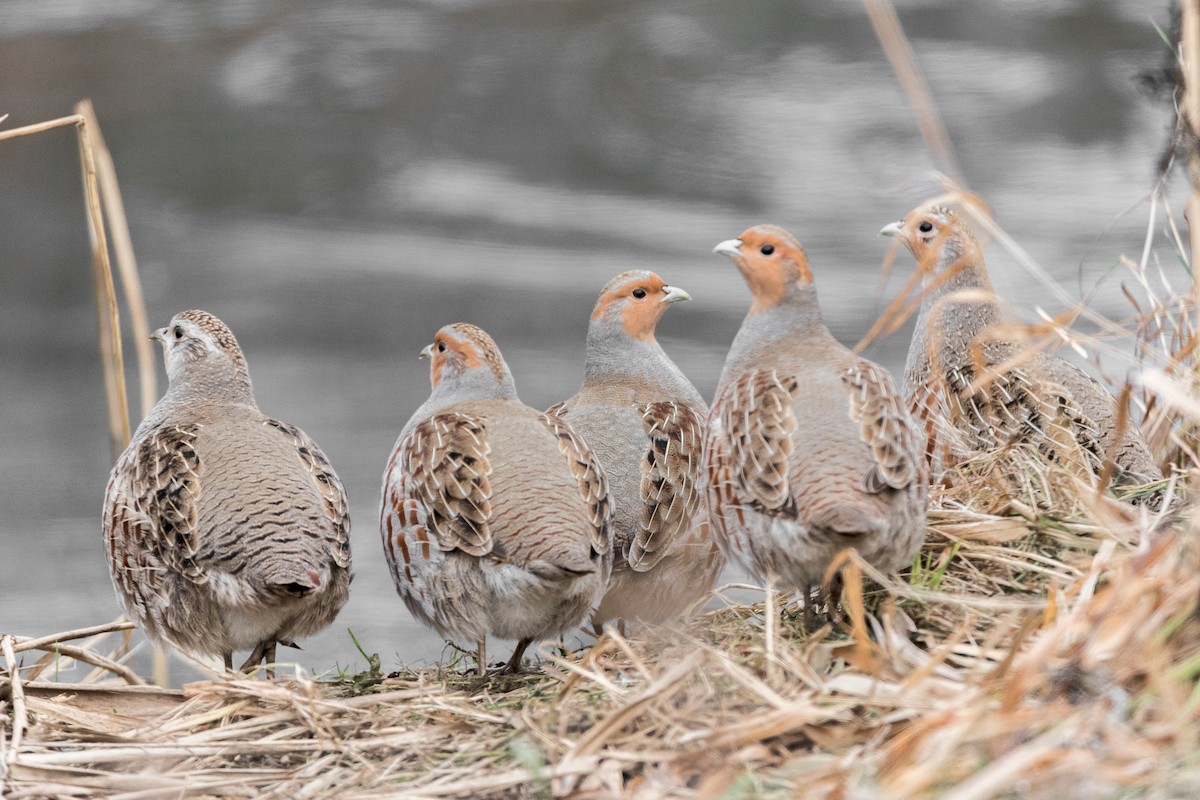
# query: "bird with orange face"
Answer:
x=809 y=449
x=974 y=391
x=495 y=517
x=645 y=422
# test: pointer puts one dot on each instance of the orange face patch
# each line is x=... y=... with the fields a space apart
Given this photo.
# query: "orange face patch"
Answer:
x=771 y=260
x=638 y=296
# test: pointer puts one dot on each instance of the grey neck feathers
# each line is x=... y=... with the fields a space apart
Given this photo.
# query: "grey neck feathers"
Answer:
x=216 y=384
x=949 y=326
x=612 y=352
x=797 y=317
x=213 y=379
x=474 y=384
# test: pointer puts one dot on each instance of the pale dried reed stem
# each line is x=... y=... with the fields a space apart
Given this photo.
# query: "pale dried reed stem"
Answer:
x=106 y=306
x=40 y=127
x=106 y=300
x=131 y=282
x=19 y=717
x=88 y=657
x=1190 y=67
x=79 y=633
x=904 y=63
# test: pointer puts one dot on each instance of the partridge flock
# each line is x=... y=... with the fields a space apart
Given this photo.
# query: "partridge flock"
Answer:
x=227 y=530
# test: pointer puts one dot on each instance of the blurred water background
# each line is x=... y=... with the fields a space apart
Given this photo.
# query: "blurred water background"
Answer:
x=338 y=180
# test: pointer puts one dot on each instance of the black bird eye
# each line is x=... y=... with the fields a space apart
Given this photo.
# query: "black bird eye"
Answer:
x=925 y=227
x=441 y=347
x=639 y=293
x=178 y=332
x=767 y=249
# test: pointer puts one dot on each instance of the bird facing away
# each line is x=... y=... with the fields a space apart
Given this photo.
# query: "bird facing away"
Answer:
x=809 y=448
x=495 y=517
x=225 y=529
x=973 y=392
x=645 y=422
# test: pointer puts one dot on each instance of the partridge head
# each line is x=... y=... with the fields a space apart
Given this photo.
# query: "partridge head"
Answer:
x=771 y=261
x=621 y=344
x=938 y=238
x=465 y=364
x=634 y=302
x=958 y=302
x=201 y=355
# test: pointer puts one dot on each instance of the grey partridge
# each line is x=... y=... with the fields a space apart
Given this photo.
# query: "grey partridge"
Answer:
x=645 y=422
x=225 y=529
x=809 y=449
x=495 y=517
x=974 y=392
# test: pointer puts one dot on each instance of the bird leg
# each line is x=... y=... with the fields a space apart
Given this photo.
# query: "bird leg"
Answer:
x=263 y=651
x=831 y=595
x=269 y=658
x=228 y=660
x=618 y=625
x=816 y=609
x=255 y=658
x=481 y=657
x=514 y=663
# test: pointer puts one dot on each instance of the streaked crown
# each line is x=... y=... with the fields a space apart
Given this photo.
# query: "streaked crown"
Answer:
x=198 y=346
x=460 y=347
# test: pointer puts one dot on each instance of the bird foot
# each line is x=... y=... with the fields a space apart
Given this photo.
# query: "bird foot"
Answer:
x=262 y=652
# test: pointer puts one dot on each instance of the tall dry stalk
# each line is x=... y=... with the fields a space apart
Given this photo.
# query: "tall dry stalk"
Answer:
x=106 y=299
x=900 y=54
x=102 y=203
x=1189 y=55
x=111 y=359
x=122 y=242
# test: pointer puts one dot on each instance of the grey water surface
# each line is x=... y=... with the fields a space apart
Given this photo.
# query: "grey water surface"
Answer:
x=338 y=180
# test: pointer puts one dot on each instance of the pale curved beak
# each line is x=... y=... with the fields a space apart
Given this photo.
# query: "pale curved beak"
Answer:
x=729 y=247
x=426 y=352
x=892 y=229
x=159 y=335
x=672 y=294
